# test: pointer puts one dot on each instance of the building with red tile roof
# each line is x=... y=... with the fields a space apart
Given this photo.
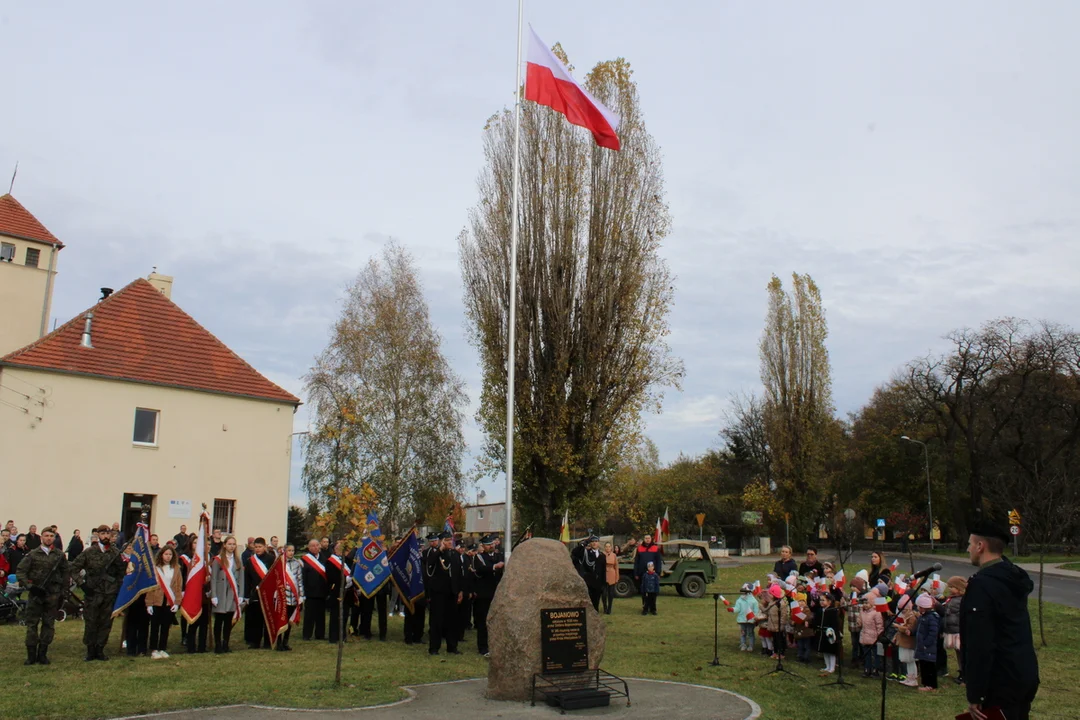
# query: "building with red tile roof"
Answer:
x=28 y=258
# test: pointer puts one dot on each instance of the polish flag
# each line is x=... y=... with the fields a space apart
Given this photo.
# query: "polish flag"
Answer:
x=798 y=614
x=881 y=604
x=548 y=82
x=750 y=616
x=895 y=564
x=839 y=580
x=757 y=588
x=727 y=604
x=665 y=525
x=901 y=586
x=191 y=606
x=659 y=538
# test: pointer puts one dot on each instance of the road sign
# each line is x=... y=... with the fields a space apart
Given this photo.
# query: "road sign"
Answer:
x=1014 y=529
x=881 y=522
x=700 y=519
x=1014 y=518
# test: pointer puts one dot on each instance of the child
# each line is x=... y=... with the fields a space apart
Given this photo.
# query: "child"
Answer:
x=803 y=632
x=746 y=609
x=905 y=640
x=873 y=624
x=951 y=624
x=829 y=632
x=764 y=599
x=777 y=618
x=850 y=606
x=650 y=588
x=926 y=639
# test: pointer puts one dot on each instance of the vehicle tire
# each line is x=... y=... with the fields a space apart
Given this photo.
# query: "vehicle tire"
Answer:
x=61 y=615
x=625 y=587
x=693 y=586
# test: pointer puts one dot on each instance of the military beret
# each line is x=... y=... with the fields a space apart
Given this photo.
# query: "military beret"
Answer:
x=989 y=529
x=487 y=540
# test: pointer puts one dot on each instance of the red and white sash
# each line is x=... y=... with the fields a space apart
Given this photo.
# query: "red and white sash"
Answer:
x=340 y=565
x=260 y=568
x=314 y=564
x=295 y=617
x=229 y=576
x=187 y=563
x=170 y=599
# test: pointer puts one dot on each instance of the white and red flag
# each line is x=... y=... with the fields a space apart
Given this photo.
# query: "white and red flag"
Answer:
x=271 y=592
x=659 y=531
x=757 y=588
x=839 y=580
x=191 y=607
x=881 y=604
x=548 y=82
x=665 y=525
x=895 y=564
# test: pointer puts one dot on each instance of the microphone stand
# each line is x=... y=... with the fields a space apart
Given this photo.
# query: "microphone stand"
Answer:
x=716 y=631
x=911 y=593
x=779 y=655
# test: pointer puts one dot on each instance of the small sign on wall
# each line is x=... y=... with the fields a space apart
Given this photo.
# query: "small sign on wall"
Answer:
x=180 y=509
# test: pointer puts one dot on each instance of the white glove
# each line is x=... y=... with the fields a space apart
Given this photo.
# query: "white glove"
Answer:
x=175 y=608
x=213 y=601
x=149 y=611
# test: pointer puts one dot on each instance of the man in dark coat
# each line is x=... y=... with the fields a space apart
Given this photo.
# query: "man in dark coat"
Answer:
x=181 y=540
x=647 y=552
x=592 y=567
x=487 y=569
x=316 y=590
x=1000 y=667
x=442 y=586
x=75 y=546
x=45 y=572
x=33 y=540
x=255 y=569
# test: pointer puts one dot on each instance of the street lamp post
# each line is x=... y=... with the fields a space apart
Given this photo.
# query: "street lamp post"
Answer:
x=929 y=502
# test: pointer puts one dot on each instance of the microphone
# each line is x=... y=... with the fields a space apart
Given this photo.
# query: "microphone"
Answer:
x=923 y=573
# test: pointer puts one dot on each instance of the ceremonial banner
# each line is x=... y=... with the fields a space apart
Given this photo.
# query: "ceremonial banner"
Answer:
x=271 y=592
x=140 y=577
x=371 y=569
x=406 y=569
x=191 y=607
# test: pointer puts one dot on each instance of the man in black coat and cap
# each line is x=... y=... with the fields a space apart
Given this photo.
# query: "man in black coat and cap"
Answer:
x=1000 y=667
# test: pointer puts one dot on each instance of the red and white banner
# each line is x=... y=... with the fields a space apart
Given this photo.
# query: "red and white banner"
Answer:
x=191 y=607
x=271 y=592
x=665 y=525
x=548 y=82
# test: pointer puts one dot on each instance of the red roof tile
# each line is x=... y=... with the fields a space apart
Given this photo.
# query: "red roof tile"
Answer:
x=140 y=335
x=16 y=221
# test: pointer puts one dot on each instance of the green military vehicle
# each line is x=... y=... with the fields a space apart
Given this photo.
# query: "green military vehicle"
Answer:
x=688 y=567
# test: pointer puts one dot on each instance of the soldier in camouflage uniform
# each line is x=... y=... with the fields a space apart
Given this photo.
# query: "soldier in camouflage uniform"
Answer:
x=45 y=572
x=104 y=570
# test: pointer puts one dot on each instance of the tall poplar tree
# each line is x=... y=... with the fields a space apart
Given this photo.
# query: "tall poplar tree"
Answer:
x=594 y=296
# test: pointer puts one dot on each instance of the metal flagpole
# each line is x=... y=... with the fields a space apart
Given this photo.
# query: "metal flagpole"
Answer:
x=512 y=322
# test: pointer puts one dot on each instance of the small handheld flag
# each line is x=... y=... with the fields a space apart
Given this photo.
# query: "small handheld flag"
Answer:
x=839 y=580
x=895 y=564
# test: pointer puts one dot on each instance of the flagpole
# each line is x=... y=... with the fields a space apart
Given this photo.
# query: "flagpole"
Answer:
x=512 y=322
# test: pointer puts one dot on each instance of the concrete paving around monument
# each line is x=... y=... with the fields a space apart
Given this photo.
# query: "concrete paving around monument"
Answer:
x=465 y=698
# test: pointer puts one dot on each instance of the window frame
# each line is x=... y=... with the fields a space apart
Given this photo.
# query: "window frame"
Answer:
x=37 y=257
x=157 y=427
x=227 y=507
x=10 y=255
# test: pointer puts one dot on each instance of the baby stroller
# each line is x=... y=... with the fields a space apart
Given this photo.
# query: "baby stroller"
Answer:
x=11 y=602
x=71 y=607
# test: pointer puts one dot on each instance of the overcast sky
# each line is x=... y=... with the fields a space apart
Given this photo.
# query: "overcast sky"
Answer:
x=920 y=160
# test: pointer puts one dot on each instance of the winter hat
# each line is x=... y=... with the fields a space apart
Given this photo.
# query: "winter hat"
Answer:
x=957 y=585
x=924 y=601
x=776 y=591
x=882 y=589
x=903 y=602
x=746 y=587
x=863 y=575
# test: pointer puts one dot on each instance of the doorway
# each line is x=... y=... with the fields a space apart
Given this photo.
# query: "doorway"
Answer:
x=134 y=506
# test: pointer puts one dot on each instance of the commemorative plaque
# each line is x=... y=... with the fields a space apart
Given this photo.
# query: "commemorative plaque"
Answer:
x=564 y=641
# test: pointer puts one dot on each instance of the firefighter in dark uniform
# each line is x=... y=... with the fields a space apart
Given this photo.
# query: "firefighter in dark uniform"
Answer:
x=487 y=570
x=443 y=594
x=463 y=559
x=590 y=564
x=103 y=570
x=414 y=621
x=45 y=571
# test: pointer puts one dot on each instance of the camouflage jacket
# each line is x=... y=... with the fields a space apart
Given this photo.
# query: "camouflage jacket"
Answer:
x=104 y=570
x=44 y=570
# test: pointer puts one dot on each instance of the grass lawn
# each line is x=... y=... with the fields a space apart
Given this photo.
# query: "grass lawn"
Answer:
x=1071 y=566
x=675 y=645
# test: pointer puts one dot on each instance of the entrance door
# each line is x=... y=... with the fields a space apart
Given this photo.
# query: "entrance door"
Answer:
x=134 y=506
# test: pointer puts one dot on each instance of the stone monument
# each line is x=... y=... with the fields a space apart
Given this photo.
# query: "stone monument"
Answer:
x=539 y=576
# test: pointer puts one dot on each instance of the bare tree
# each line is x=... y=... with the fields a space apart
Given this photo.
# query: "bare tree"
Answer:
x=385 y=401
x=594 y=296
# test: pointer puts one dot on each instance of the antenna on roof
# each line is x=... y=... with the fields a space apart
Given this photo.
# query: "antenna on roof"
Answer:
x=12 y=185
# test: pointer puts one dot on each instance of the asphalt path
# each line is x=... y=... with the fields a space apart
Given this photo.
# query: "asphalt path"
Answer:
x=1056 y=589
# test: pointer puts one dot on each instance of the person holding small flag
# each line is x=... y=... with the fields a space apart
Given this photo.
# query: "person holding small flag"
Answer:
x=226 y=593
x=746 y=608
x=163 y=600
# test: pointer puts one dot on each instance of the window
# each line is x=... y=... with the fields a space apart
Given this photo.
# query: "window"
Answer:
x=146 y=424
x=481 y=512
x=224 y=511
x=32 y=257
x=7 y=252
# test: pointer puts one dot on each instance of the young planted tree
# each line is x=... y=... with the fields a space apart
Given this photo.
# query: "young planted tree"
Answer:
x=799 y=424
x=386 y=405
x=594 y=296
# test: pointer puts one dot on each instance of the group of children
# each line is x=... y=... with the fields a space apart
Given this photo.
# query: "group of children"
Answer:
x=811 y=613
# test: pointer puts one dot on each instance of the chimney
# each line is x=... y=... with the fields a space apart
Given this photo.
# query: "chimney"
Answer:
x=163 y=283
x=86 y=331
x=105 y=292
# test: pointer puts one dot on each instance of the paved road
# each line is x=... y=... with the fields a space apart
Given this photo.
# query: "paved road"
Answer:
x=1061 y=590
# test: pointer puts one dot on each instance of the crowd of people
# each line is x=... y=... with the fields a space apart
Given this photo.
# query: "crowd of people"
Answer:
x=807 y=609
